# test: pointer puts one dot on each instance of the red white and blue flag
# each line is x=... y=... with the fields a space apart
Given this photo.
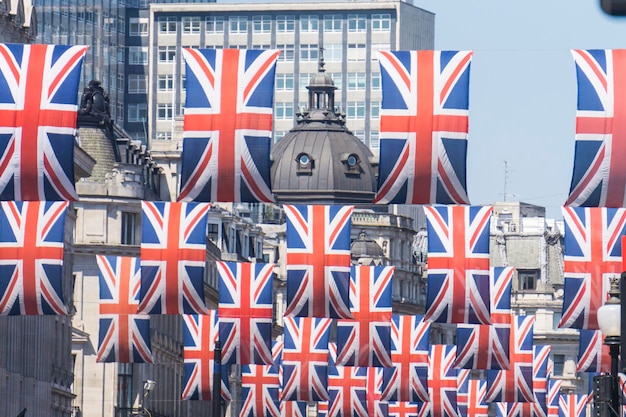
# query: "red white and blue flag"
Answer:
x=200 y=334
x=599 y=179
x=347 y=388
x=31 y=257
x=407 y=379
x=592 y=254
x=515 y=384
x=318 y=261
x=481 y=346
x=38 y=109
x=260 y=391
x=541 y=355
x=173 y=253
x=245 y=312
x=294 y=408
x=554 y=393
x=124 y=335
x=423 y=127
x=573 y=405
x=471 y=395
x=375 y=406
x=403 y=409
x=228 y=125
x=305 y=359
x=593 y=354
x=366 y=340
x=442 y=383
x=458 y=264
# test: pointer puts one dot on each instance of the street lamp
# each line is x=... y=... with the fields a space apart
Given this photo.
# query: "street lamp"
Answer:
x=148 y=386
x=609 y=321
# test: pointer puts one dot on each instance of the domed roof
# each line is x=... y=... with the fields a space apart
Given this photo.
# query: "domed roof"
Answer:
x=320 y=161
x=364 y=247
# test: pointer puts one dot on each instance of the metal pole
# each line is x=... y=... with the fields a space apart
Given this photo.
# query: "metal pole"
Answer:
x=613 y=342
x=217 y=380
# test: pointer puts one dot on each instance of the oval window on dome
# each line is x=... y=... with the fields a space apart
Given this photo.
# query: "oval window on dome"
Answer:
x=352 y=160
x=304 y=159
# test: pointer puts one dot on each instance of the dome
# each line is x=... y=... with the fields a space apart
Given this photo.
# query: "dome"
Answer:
x=320 y=161
x=364 y=247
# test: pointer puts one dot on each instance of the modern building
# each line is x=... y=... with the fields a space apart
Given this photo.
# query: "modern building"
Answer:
x=348 y=34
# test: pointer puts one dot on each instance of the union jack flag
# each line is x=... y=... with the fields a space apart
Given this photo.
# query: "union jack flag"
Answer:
x=592 y=254
x=322 y=409
x=518 y=410
x=442 y=382
x=318 y=261
x=347 y=388
x=423 y=127
x=200 y=334
x=554 y=393
x=293 y=408
x=38 y=107
x=31 y=257
x=407 y=379
x=573 y=405
x=515 y=384
x=375 y=406
x=366 y=340
x=481 y=346
x=598 y=179
x=173 y=253
x=462 y=382
x=471 y=395
x=541 y=355
x=245 y=312
x=228 y=125
x=124 y=334
x=458 y=264
x=305 y=359
x=260 y=386
x=404 y=409
x=593 y=354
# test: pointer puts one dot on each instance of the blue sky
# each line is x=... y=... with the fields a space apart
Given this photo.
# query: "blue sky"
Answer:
x=522 y=89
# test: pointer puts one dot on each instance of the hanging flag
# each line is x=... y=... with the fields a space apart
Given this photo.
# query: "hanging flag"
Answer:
x=592 y=254
x=470 y=398
x=515 y=384
x=458 y=264
x=442 y=383
x=375 y=406
x=245 y=312
x=39 y=95
x=124 y=335
x=481 y=346
x=347 y=388
x=541 y=354
x=572 y=405
x=227 y=126
x=173 y=253
x=200 y=334
x=305 y=359
x=293 y=408
x=593 y=354
x=318 y=261
x=598 y=179
x=554 y=393
x=404 y=409
x=322 y=409
x=366 y=340
x=31 y=257
x=423 y=127
x=260 y=386
x=407 y=379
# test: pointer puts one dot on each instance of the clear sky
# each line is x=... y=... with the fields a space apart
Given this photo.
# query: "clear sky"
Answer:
x=522 y=90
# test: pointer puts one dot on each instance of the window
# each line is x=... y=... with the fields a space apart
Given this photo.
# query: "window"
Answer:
x=356 y=23
x=167 y=25
x=165 y=82
x=355 y=110
x=137 y=26
x=559 y=364
x=285 y=24
x=137 y=112
x=381 y=22
x=138 y=55
x=309 y=23
x=164 y=111
x=305 y=79
x=191 y=24
x=374 y=110
x=527 y=279
x=167 y=53
x=119 y=112
x=164 y=135
x=286 y=52
x=265 y=47
x=309 y=52
x=238 y=24
x=332 y=23
x=261 y=24
x=120 y=82
x=375 y=80
x=137 y=84
x=120 y=54
x=214 y=24
x=360 y=135
x=284 y=82
x=337 y=79
x=356 y=81
x=374 y=139
x=333 y=52
x=284 y=110
x=356 y=52
x=129 y=228
x=556 y=319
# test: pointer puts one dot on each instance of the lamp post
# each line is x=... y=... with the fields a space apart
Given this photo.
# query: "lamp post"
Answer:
x=609 y=321
x=148 y=386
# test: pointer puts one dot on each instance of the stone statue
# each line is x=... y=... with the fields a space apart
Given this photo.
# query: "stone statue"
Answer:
x=94 y=104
